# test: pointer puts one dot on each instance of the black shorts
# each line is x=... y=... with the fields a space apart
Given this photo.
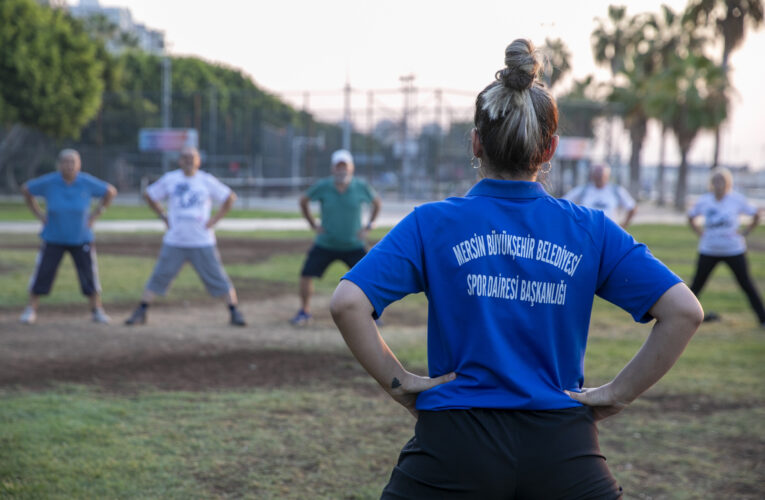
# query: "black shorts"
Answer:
x=48 y=260
x=488 y=454
x=319 y=259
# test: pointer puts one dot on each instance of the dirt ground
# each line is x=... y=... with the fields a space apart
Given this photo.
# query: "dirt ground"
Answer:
x=188 y=345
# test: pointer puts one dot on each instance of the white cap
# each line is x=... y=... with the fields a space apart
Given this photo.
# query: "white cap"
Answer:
x=342 y=156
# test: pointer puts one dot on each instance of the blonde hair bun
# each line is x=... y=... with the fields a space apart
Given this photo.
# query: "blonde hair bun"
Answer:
x=521 y=65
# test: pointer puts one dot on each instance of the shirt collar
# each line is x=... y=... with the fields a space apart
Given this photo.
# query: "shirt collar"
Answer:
x=508 y=189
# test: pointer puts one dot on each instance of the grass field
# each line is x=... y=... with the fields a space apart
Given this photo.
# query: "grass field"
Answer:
x=17 y=211
x=700 y=433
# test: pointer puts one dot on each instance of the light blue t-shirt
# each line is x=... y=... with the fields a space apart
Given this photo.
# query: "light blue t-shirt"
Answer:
x=510 y=274
x=67 y=206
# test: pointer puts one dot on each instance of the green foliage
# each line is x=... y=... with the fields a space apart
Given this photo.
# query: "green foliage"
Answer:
x=728 y=18
x=52 y=77
x=557 y=59
x=689 y=95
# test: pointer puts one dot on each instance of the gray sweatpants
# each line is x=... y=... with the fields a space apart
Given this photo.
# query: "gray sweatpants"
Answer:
x=205 y=260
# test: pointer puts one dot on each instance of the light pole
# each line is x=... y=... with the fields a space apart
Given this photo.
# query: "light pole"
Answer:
x=166 y=104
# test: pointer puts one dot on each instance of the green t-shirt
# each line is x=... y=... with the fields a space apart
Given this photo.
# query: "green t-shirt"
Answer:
x=340 y=212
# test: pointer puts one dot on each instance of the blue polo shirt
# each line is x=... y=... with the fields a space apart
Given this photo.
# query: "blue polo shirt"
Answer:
x=510 y=274
x=67 y=206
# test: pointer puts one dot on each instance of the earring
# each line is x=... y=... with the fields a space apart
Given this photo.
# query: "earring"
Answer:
x=473 y=164
x=546 y=170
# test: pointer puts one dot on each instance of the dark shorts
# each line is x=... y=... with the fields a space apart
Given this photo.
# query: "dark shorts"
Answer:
x=48 y=260
x=488 y=454
x=319 y=259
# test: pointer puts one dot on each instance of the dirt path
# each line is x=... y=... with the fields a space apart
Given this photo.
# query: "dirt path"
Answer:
x=181 y=348
x=185 y=346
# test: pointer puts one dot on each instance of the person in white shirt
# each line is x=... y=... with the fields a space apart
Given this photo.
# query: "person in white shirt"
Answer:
x=189 y=194
x=601 y=195
x=720 y=240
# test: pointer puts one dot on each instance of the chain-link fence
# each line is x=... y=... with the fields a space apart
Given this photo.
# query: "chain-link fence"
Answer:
x=409 y=143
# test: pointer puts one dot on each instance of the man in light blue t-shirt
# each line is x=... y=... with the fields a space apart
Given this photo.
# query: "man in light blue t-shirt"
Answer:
x=339 y=235
x=67 y=222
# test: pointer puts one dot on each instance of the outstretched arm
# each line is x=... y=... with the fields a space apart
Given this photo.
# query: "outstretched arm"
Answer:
x=352 y=313
x=678 y=315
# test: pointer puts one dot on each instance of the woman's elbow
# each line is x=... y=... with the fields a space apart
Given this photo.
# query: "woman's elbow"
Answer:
x=341 y=302
x=688 y=309
x=693 y=313
x=679 y=305
x=347 y=298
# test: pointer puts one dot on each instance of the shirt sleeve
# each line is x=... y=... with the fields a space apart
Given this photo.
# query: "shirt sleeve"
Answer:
x=573 y=194
x=36 y=187
x=158 y=190
x=97 y=187
x=314 y=192
x=626 y=201
x=219 y=192
x=370 y=192
x=393 y=268
x=629 y=275
x=746 y=207
x=697 y=208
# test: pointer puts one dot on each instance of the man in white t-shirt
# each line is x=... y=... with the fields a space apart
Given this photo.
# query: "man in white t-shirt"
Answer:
x=599 y=194
x=189 y=195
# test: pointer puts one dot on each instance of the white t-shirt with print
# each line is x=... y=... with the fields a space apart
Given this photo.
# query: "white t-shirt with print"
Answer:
x=721 y=222
x=189 y=203
x=610 y=198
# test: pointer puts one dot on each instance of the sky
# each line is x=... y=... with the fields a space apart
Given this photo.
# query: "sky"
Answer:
x=292 y=46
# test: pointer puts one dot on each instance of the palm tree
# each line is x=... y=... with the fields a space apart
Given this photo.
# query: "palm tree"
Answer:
x=688 y=96
x=630 y=98
x=611 y=38
x=609 y=46
x=635 y=63
x=558 y=59
x=729 y=19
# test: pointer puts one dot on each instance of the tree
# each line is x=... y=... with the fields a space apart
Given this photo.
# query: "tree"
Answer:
x=558 y=61
x=620 y=42
x=611 y=38
x=50 y=77
x=689 y=95
x=730 y=19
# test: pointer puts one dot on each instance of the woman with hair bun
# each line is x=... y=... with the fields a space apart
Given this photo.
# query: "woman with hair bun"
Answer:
x=510 y=274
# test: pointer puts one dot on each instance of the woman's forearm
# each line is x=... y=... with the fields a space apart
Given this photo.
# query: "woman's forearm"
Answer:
x=678 y=316
x=352 y=313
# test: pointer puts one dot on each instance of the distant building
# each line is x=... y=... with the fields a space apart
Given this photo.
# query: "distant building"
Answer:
x=149 y=40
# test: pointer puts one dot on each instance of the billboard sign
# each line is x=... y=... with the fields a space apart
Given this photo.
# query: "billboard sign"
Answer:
x=166 y=139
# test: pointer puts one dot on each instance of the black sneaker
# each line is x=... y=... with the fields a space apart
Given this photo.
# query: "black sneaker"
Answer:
x=711 y=316
x=237 y=319
x=138 y=317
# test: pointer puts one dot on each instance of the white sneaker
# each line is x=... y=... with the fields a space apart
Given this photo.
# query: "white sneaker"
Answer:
x=29 y=316
x=99 y=316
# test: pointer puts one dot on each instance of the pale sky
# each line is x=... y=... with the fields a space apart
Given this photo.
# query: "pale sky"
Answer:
x=291 y=46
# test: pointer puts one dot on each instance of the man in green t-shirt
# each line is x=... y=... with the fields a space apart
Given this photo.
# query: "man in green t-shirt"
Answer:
x=340 y=235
